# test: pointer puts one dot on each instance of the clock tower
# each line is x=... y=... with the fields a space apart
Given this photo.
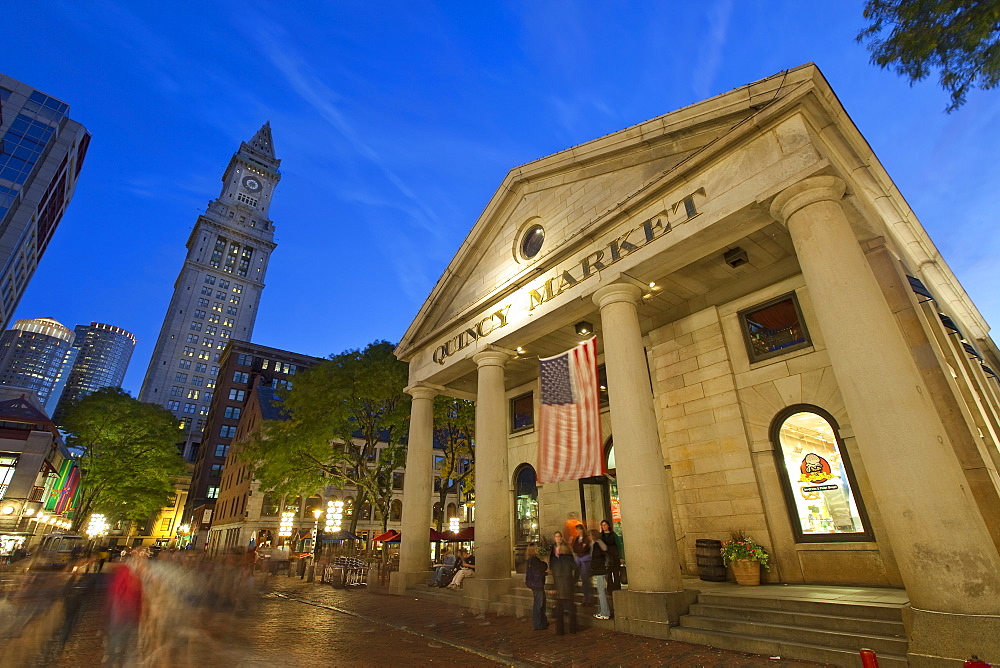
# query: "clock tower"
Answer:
x=217 y=293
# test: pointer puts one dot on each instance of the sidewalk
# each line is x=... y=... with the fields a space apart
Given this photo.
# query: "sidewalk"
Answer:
x=507 y=640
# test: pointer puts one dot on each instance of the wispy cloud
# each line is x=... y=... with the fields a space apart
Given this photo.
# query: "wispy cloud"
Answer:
x=710 y=53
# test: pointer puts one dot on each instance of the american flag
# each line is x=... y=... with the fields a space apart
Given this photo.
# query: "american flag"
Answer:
x=569 y=443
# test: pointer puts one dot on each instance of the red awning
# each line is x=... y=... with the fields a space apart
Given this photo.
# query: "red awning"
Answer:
x=386 y=537
x=393 y=536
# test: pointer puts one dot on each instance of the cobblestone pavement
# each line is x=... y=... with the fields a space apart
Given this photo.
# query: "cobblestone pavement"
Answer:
x=295 y=623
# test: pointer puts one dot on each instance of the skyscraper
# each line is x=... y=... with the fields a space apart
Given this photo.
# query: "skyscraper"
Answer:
x=104 y=352
x=218 y=290
x=37 y=354
x=40 y=161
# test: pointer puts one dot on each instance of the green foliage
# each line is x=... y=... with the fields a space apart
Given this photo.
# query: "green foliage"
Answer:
x=957 y=37
x=454 y=427
x=129 y=455
x=742 y=546
x=340 y=412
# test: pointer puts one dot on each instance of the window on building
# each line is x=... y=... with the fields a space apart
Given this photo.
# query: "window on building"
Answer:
x=193 y=394
x=227 y=431
x=217 y=307
x=244 y=360
x=229 y=322
x=395 y=510
x=817 y=478
x=224 y=285
x=203 y=355
x=181 y=378
x=774 y=328
x=196 y=326
x=214 y=371
x=203 y=302
x=184 y=364
x=210 y=279
x=234 y=300
x=231 y=310
x=188 y=351
x=199 y=314
x=220 y=294
x=282 y=384
x=226 y=333
x=522 y=412
x=237 y=395
x=173 y=405
x=525 y=505
x=232 y=412
x=237 y=288
x=197 y=380
x=208 y=343
x=397 y=480
x=190 y=408
x=216 y=470
x=213 y=492
x=207 y=396
x=201 y=368
x=176 y=391
x=211 y=330
x=207 y=290
x=602 y=385
x=213 y=318
x=221 y=450
x=192 y=338
x=210 y=384
x=165 y=524
x=203 y=410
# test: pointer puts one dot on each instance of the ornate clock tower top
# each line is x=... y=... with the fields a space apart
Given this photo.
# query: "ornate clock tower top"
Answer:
x=252 y=174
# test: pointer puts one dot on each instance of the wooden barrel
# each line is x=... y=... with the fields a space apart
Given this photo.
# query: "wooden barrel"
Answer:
x=709 y=556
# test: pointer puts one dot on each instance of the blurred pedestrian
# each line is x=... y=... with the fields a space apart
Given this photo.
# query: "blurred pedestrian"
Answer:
x=599 y=567
x=534 y=579
x=124 y=612
x=581 y=554
x=564 y=572
x=610 y=539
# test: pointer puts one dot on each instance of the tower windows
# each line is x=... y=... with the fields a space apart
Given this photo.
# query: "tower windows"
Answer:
x=173 y=405
x=246 y=199
x=189 y=408
x=192 y=338
x=200 y=368
x=206 y=290
x=210 y=279
x=223 y=285
x=217 y=307
x=184 y=364
x=231 y=310
x=181 y=378
x=193 y=394
x=199 y=314
x=197 y=380
x=203 y=302
x=176 y=391
x=195 y=326
x=188 y=351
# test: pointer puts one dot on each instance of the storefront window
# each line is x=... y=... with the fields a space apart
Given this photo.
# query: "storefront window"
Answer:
x=774 y=328
x=817 y=476
x=525 y=505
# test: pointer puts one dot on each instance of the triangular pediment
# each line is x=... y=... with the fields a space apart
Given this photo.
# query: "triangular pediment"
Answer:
x=574 y=192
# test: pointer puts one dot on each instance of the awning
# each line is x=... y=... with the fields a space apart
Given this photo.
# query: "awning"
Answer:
x=949 y=323
x=972 y=351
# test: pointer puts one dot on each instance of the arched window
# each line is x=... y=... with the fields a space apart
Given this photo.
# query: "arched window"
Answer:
x=437 y=512
x=817 y=477
x=452 y=512
x=366 y=510
x=525 y=505
x=395 y=510
x=269 y=506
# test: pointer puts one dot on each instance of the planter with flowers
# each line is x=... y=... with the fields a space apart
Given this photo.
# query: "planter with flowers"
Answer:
x=745 y=556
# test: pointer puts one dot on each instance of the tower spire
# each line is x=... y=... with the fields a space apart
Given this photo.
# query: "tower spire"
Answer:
x=262 y=145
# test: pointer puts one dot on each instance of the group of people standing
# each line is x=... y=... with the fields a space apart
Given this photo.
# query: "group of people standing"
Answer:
x=588 y=553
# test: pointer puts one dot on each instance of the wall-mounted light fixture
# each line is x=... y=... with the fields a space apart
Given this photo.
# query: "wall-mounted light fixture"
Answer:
x=736 y=257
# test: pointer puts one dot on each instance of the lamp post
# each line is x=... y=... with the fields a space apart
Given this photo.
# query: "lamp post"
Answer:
x=311 y=571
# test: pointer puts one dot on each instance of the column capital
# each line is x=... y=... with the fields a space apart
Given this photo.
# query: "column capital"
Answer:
x=490 y=358
x=418 y=391
x=805 y=192
x=617 y=292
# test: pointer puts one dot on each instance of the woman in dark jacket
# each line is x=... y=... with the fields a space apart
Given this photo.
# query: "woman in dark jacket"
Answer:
x=564 y=572
x=610 y=538
x=599 y=560
x=534 y=579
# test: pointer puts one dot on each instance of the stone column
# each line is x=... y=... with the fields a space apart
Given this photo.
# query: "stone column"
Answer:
x=493 y=522
x=655 y=595
x=415 y=548
x=948 y=562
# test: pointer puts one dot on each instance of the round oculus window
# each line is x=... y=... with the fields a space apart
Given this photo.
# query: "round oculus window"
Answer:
x=532 y=241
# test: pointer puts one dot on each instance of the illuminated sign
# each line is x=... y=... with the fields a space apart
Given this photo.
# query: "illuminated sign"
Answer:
x=580 y=270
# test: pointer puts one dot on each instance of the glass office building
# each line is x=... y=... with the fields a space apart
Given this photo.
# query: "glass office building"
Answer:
x=36 y=354
x=103 y=354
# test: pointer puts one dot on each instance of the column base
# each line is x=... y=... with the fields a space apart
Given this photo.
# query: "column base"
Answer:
x=480 y=592
x=651 y=613
x=400 y=581
x=945 y=639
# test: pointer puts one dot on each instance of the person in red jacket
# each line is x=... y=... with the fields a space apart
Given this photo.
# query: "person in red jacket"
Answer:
x=124 y=604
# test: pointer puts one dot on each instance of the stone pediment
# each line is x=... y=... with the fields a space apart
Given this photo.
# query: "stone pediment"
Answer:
x=570 y=194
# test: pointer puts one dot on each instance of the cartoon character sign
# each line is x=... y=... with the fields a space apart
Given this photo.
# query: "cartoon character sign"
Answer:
x=815 y=469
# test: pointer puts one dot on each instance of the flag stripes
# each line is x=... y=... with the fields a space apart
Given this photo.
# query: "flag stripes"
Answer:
x=569 y=443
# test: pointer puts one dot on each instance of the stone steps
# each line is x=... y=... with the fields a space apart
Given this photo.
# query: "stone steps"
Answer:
x=518 y=604
x=824 y=631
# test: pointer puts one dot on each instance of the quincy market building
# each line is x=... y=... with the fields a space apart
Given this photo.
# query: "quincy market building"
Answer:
x=785 y=353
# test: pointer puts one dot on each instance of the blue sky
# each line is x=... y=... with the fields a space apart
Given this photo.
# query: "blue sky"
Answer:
x=396 y=122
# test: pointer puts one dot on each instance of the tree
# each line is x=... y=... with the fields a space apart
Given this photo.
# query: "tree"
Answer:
x=128 y=458
x=957 y=37
x=347 y=426
x=454 y=427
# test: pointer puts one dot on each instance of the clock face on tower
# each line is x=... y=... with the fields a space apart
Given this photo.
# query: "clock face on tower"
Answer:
x=251 y=183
